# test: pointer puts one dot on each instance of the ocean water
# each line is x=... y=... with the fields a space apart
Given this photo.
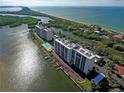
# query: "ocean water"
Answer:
x=108 y=17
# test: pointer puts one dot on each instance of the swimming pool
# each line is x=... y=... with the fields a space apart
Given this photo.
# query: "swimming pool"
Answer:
x=47 y=46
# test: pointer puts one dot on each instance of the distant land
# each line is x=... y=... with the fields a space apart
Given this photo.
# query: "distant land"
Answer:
x=107 y=17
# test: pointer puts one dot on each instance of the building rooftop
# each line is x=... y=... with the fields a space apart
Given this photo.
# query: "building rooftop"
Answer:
x=66 y=43
x=41 y=27
x=118 y=37
x=98 y=78
x=87 y=53
x=69 y=44
x=120 y=69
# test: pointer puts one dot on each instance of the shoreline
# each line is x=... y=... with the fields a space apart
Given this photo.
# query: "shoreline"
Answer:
x=60 y=64
x=82 y=22
x=85 y=23
x=41 y=14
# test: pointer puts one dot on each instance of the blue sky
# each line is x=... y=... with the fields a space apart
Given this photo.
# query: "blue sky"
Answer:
x=63 y=2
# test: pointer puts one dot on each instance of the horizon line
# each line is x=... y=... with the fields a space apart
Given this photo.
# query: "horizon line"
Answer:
x=54 y=6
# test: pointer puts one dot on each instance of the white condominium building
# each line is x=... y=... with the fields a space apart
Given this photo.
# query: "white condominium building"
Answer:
x=64 y=49
x=74 y=54
x=83 y=59
x=44 y=33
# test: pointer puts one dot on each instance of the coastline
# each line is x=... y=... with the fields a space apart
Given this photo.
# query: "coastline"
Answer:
x=103 y=25
x=59 y=63
x=40 y=14
x=85 y=23
x=78 y=22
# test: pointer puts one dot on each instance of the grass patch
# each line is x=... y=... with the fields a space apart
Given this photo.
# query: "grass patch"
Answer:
x=86 y=85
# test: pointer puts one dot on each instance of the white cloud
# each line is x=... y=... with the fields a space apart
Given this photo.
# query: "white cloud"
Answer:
x=63 y=2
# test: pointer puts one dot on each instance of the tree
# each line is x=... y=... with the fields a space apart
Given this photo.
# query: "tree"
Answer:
x=119 y=47
x=86 y=85
x=110 y=44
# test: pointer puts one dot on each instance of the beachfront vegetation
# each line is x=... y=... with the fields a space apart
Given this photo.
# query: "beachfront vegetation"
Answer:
x=14 y=21
x=86 y=85
x=92 y=37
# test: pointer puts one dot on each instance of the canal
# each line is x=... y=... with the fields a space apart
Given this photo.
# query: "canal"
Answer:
x=22 y=66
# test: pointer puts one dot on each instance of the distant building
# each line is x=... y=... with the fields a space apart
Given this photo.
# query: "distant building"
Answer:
x=74 y=54
x=95 y=27
x=96 y=31
x=44 y=33
x=118 y=37
x=97 y=57
x=103 y=37
x=119 y=70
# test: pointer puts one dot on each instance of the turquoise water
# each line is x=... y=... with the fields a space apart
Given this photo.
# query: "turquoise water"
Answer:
x=108 y=17
x=47 y=45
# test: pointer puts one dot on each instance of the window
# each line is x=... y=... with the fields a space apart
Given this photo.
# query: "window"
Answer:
x=82 y=63
x=73 y=56
x=78 y=58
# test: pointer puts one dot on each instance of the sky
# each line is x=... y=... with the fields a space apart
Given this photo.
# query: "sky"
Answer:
x=62 y=2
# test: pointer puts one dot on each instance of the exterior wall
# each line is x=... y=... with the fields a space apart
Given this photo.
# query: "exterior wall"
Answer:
x=71 y=56
x=37 y=30
x=62 y=51
x=55 y=47
x=43 y=33
x=49 y=36
x=77 y=60
x=88 y=65
x=91 y=64
x=82 y=63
